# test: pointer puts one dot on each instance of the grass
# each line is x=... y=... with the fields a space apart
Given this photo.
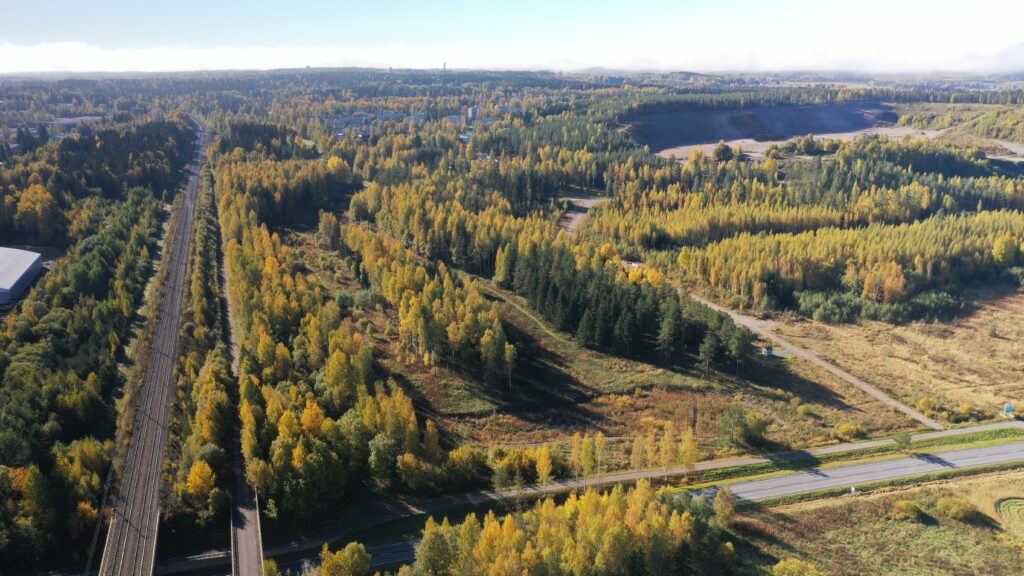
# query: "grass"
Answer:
x=861 y=535
x=976 y=360
x=1011 y=514
x=624 y=397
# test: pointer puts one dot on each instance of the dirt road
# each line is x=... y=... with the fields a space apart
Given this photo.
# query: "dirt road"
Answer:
x=767 y=329
x=577 y=212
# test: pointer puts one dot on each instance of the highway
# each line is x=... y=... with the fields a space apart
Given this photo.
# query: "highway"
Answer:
x=869 y=472
x=382 y=511
x=130 y=547
x=787 y=485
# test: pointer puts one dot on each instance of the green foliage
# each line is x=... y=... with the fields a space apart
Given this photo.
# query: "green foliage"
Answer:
x=907 y=510
x=617 y=532
x=957 y=508
x=794 y=567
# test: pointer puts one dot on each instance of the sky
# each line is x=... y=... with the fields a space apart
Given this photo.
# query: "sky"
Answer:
x=880 y=36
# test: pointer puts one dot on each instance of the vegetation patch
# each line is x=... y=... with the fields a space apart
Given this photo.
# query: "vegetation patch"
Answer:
x=1011 y=512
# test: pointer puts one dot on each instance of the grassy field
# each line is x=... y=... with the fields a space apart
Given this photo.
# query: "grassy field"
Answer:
x=862 y=535
x=977 y=359
x=624 y=397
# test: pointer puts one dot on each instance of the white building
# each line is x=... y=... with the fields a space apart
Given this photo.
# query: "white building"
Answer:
x=18 y=268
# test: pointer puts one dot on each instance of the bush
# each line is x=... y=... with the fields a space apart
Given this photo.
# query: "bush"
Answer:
x=794 y=567
x=848 y=431
x=906 y=510
x=956 y=508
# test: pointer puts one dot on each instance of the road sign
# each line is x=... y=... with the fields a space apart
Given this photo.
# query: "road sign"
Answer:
x=1008 y=410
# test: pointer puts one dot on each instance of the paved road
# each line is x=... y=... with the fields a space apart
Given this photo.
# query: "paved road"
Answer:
x=790 y=484
x=382 y=511
x=766 y=329
x=130 y=547
x=814 y=480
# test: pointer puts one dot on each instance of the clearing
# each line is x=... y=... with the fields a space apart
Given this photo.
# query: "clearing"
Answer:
x=577 y=211
x=977 y=359
x=861 y=535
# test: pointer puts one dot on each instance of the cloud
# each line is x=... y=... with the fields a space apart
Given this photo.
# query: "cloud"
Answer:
x=908 y=53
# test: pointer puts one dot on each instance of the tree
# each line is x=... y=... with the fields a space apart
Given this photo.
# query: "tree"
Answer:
x=38 y=217
x=544 y=465
x=669 y=330
x=259 y=474
x=510 y=360
x=588 y=456
x=200 y=479
x=270 y=567
x=740 y=346
x=1004 y=251
x=329 y=231
x=689 y=451
x=353 y=560
x=504 y=265
x=432 y=443
x=725 y=507
x=636 y=455
x=707 y=351
x=722 y=152
x=600 y=448
x=669 y=448
x=312 y=419
x=383 y=459
x=903 y=441
x=438 y=550
x=576 y=455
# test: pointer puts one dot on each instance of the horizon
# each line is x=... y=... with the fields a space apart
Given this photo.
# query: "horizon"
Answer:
x=879 y=37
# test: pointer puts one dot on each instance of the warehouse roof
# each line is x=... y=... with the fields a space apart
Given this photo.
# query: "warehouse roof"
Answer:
x=14 y=264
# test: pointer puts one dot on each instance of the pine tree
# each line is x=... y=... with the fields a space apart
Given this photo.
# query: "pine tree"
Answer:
x=669 y=330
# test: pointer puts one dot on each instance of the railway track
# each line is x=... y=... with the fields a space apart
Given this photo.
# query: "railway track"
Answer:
x=130 y=547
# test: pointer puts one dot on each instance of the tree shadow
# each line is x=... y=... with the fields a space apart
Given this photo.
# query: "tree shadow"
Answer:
x=791 y=459
x=542 y=388
x=543 y=392
x=773 y=374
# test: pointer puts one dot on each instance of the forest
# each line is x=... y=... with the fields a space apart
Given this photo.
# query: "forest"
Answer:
x=388 y=260
x=60 y=351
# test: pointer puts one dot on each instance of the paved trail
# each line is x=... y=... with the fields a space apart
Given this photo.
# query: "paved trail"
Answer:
x=789 y=484
x=246 y=535
x=382 y=511
x=767 y=329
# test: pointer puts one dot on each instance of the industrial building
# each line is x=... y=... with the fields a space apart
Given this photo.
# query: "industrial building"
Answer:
x=18 y=268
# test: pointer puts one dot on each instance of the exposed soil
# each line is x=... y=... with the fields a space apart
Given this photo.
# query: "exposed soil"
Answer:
x=663 y=132
x=577 y=212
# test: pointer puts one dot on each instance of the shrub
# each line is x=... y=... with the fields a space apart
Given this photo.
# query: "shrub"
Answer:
x=927 y=404
x=848 y=431
x=956 y=508
x=906 y=510
x=794 y=567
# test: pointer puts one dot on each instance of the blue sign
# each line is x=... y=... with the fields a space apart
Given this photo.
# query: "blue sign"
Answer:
x=1008 y=409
